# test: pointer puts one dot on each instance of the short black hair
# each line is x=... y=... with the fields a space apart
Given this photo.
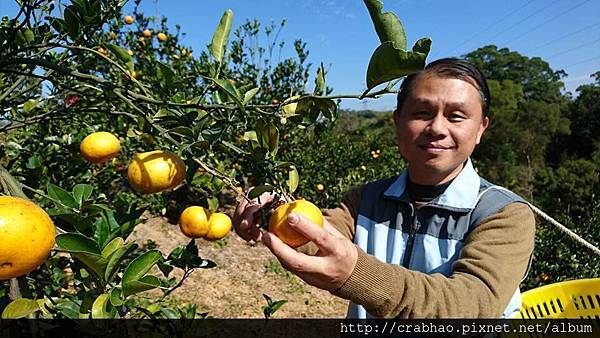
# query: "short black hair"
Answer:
x=451 y=68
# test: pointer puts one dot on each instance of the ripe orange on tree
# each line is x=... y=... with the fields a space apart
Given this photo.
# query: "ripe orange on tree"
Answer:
x=26 y=236
x=193 y=222
x=99 y=147
x=147 y=33
x=162 y=37
x=279 y=226
x=219 y=225
x=128 y=19
x=155 y=171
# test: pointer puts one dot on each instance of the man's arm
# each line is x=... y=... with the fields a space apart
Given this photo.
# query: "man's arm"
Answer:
x=491 y=265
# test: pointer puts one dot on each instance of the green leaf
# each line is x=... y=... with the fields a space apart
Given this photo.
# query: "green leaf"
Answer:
x=115 y=259
x=422 y=46
x=102 y=308
x=112 y=246
x=122 y=55
x=25 y=37
x=74 y=243
x=389 y=63
x=81 y=193
x=249 y=95
x=78 y=222
x=165 y=268
x=183 y=132
x=67 y=308
x=277 y=305
x=170 y=313
x=28 y=35
x=235 y=148
x=101 y=231
x=116 y=297
x=213 y=204
x=320 y=81
x=30 y=105
x=87 y=302
x=387 y=25
x=10 y=185
x=259 y=190
x=71 y=21
x=57 y=193
x=20 y=308
x=250 y=136
x=218 y=44
x=34 y=162
x=268 y=136
x=293 y=179
x=230 y=89
x=84 y=249
x=137 y=269
x=165 y=73
x=137 y=286
x=309 y=110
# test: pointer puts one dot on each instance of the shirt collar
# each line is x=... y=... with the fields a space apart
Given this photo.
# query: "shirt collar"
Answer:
x=461 y=194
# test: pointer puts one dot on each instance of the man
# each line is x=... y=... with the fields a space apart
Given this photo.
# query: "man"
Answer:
x=436 y=241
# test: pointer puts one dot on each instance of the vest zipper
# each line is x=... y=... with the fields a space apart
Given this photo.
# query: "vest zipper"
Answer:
x=412 y=231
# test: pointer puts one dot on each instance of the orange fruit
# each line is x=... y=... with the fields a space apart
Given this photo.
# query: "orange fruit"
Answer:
x=279 y=226
x=193 y=222
x=128 y=19
x=162 y=37
x=219 y=225
x=155 y=171
x=100 y=147
x=129 y=52
x=147 y=33
x=320 y=187
x=26 y=236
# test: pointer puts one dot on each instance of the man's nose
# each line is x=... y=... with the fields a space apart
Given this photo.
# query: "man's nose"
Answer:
x=437 y=125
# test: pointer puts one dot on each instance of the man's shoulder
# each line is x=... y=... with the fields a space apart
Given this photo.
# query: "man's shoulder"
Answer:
x=491 y=191
x=493 y=198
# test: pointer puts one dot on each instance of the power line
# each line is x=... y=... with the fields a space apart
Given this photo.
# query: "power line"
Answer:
x=597 y=57
x=490 y=26
x=563 y=37
x=546 y=22
x=574 y=48
x=525 y=18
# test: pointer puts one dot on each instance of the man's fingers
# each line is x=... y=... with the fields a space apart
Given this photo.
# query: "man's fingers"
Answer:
x=288 y=257
x=321 y=237
x=333 y=231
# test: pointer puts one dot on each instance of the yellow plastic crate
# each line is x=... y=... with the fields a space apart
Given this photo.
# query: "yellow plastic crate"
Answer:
x=579 y=298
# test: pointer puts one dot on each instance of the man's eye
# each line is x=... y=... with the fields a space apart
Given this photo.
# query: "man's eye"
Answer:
x=456 y=117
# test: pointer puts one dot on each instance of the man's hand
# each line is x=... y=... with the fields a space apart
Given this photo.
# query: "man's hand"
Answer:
x=330 y=267
x=244 y=218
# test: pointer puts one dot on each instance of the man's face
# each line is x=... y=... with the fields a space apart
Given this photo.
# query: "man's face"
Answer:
x=438 y=127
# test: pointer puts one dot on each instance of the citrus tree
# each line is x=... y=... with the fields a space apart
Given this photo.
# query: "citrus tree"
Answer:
x=100 y=111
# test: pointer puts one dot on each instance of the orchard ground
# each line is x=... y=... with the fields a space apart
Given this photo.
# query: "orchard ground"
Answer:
x=234 y=288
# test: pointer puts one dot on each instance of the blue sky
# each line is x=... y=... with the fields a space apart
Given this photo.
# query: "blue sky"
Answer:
x=340 y=34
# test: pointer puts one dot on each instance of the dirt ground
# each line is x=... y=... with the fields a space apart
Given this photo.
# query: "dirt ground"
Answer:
x=244 y=272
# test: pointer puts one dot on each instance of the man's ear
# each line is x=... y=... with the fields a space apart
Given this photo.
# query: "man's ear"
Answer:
x=485 y=122
x=396 y=117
